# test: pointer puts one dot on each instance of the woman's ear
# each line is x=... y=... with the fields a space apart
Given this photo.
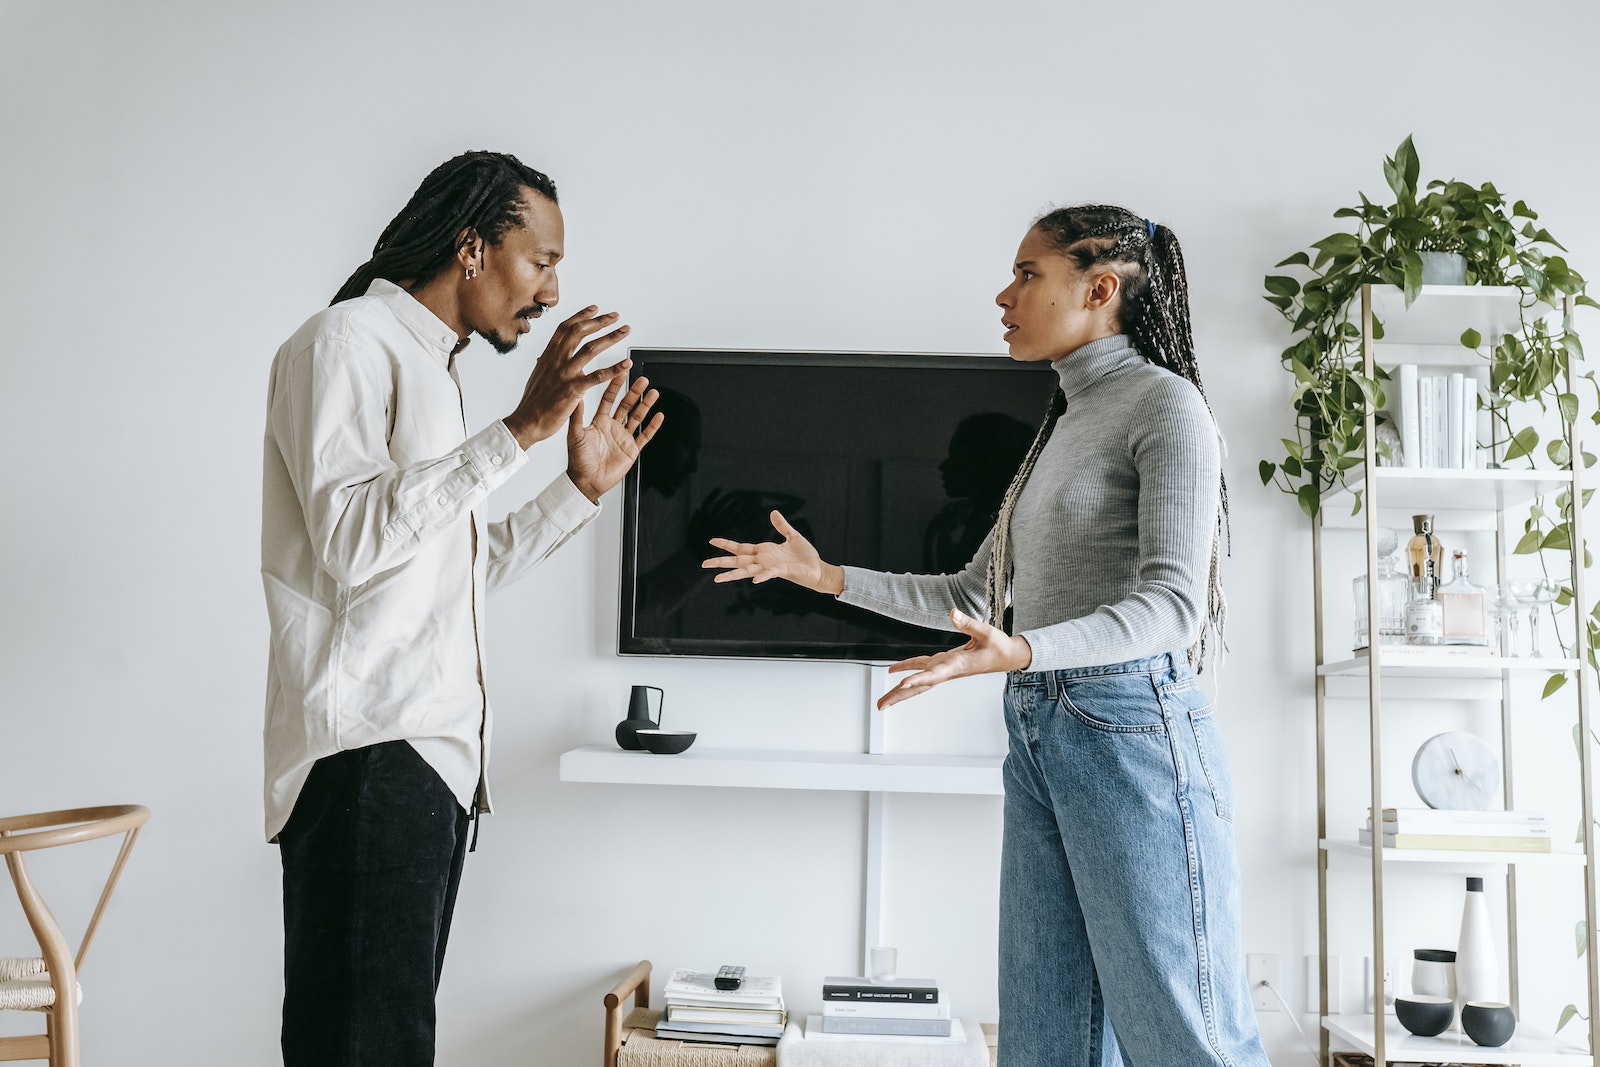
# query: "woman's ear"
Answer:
x=1103 y=290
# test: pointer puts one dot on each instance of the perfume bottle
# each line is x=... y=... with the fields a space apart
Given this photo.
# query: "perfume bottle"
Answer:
x=1424 y=615
x=1464 y=606
x=1392 y=595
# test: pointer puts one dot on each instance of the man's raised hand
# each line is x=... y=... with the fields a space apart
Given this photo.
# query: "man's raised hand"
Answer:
x=556 y=386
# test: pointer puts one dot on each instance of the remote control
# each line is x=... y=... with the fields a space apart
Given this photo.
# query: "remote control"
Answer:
x=729 y=977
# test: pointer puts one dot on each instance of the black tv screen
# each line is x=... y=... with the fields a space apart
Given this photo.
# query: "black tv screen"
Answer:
x=891 y=462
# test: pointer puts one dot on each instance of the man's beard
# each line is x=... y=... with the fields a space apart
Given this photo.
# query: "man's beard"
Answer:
x=505 y=347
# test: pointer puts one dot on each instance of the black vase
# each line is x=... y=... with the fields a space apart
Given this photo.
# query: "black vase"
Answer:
x=639 y=717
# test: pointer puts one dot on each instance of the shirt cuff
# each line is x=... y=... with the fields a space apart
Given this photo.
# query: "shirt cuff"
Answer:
x=565 y=505
x=494 y=454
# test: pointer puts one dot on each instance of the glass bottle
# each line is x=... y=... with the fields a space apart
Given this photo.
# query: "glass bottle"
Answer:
x=1392 y=595
x=1425 y=554
x=1465 y=607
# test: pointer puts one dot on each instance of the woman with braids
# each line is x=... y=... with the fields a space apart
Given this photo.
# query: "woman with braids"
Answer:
x=1119 y=886
x=376 y=560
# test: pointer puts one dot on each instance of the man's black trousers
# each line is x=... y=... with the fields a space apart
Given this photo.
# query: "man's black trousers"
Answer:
x=372 y=859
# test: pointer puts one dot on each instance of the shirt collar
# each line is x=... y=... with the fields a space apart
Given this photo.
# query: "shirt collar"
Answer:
x=1087 y=364
x=430 y=329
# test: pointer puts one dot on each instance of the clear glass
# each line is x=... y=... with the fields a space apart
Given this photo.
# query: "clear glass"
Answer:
x=1508 y=610
x=1393 y=592
x=1464 y=607
x=1533 y=594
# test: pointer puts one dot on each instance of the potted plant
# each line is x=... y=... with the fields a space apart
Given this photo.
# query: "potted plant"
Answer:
x=1332 y=393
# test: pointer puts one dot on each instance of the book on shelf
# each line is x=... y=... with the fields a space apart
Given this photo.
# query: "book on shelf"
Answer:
x=1410 y=438
x=906 y=990
x=866 y=1024
x=1448 y=821
x=695 y=1013
x=668 y=1034
x=1437 y=418
x=1463 y=842
x=815 y=1032
x=732 y=1029
x=939 y=1009
x=698 y=988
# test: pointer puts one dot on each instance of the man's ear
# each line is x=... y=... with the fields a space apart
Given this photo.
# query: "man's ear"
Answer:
x=469 y=249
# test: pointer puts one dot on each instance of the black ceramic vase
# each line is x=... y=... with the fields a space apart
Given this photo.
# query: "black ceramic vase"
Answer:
x=639 y=717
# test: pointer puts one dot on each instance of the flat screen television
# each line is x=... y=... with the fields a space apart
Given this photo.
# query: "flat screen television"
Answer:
x=891 y=462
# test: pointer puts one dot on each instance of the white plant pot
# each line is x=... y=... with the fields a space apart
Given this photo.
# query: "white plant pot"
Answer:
x=1443 y=268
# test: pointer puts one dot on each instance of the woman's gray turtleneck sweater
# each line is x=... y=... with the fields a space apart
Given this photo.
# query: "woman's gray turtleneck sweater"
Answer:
x=1111 y=537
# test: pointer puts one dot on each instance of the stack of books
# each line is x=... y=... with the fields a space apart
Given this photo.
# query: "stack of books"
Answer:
x=1438 y=828
x=696 y=1010
x=894 y=1007
x=1438 y=422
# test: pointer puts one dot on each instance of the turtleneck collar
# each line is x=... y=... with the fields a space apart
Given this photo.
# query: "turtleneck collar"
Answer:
x=1087 y=364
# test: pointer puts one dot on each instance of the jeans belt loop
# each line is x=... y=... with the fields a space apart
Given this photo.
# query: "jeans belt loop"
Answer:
x=1051 y=685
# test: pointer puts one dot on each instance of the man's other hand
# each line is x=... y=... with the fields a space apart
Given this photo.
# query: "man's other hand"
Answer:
x=556 y=386
x=600 y=453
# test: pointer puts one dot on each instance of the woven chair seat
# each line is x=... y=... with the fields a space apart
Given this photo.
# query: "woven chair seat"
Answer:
x=20 y=967
x=25 y=985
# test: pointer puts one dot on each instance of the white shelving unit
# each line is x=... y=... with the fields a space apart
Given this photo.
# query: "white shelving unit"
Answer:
x=761 y=769
x=872 y=772
x=1462 y=500
x=1528 y=1046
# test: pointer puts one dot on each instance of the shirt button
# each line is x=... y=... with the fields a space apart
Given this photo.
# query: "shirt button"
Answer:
x=442 y=499
x=495 y=460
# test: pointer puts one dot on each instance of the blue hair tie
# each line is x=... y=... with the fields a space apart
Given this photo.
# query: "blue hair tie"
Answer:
x=1152 y=227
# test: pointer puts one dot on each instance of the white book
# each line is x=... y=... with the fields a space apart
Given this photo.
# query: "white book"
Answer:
x=1465 y=829
x=699 y=988
x=1441 y=421
x=1454 y=451
x=866 y=1009
x=1410 y=440
x=814 y=1032
x=1425 y=422
x=1445 y=817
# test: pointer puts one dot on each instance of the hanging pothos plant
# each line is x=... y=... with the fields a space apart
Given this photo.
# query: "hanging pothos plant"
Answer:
x=1502 y=246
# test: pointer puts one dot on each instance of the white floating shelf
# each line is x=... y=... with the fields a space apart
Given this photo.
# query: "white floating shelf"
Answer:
x=1433 y=491
x=1445 y=311
x=781 y=769
x=1408 y=662
x=1452 y=857
x=1530 y=1047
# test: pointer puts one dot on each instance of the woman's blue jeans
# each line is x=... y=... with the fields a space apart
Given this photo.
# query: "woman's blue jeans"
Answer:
x=1119 y=885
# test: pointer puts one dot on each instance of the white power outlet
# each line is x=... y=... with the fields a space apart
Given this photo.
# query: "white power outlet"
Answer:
x=1262 y=967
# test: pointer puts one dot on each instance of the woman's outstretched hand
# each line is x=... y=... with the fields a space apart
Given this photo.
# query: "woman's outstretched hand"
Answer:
x=793 y=559
x=987 y=651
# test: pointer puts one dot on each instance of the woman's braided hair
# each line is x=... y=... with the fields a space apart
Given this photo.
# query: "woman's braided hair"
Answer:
x=1154 y=311
x=480 y=191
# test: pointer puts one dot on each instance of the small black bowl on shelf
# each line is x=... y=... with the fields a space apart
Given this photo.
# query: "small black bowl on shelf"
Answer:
x=666 y=742
x=1425 y=1016
x=1489 y=1023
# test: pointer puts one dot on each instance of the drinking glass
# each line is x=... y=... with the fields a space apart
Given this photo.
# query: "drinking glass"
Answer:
x=1508 y=610
x=1534 y=593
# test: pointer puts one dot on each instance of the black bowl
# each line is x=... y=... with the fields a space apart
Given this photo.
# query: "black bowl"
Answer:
x=1425 y=1016
x=1488 y=1022
x=666 y=742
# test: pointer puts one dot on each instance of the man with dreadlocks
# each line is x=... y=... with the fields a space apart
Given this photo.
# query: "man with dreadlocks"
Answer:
x=1119 y=884
x=376 y=559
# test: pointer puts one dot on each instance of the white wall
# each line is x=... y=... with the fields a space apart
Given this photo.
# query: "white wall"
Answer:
x=182 y=184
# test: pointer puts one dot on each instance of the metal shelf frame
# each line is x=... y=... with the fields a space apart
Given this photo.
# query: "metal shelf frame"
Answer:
x=1467 y=306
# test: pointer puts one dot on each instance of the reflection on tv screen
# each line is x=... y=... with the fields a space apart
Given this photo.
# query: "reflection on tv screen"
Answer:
x=894 y=463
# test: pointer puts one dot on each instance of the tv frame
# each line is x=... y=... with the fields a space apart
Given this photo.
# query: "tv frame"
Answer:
x=859 y=652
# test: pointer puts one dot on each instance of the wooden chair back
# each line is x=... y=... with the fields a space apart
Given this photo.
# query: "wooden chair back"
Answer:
x=53 y=829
